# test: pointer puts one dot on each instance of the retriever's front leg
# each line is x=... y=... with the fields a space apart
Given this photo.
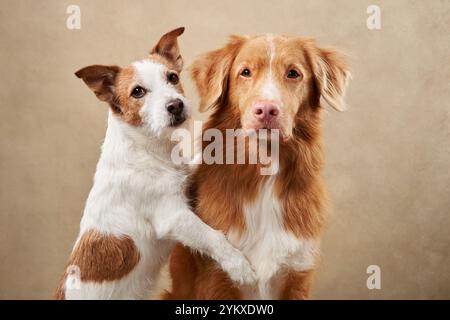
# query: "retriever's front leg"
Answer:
x=297 y=285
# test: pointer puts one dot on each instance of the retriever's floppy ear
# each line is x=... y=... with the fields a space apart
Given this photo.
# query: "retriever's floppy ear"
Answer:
x=210 y=72
x=331 y=75
x=101 y=80
x=168 y=47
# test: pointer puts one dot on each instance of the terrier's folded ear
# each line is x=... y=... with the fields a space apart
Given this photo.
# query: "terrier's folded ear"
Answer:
x=168 y=48
x=101 y=80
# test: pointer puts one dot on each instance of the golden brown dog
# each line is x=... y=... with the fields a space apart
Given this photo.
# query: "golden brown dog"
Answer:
x=270 y=82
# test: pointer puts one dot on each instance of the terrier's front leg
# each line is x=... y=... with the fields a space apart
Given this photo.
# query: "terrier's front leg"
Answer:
x=186 y=227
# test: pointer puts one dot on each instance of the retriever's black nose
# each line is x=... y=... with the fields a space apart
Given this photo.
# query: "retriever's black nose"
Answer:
x=175 y=107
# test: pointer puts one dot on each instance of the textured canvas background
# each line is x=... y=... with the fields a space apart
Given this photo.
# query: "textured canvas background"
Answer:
x=387 y=156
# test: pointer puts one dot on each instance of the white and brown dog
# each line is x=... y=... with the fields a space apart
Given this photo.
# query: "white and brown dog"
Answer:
x=136 y=210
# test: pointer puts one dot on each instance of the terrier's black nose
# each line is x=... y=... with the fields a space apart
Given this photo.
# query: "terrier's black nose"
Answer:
x=175 y=107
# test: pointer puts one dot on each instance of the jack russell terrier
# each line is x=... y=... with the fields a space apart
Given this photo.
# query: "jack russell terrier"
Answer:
x=137 y=210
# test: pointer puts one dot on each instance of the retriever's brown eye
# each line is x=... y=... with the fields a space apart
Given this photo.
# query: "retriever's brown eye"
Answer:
x=138 y=92
x=293 y=74
x=246 y=73
x=173 y=78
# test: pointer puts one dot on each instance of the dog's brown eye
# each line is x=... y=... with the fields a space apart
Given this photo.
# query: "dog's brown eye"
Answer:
x=173 y=78
x=138 y=92
x=246 y=73
x=293 y=74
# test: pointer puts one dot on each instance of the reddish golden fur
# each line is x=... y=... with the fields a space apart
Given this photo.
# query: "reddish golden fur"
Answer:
x=221 y=191
x=101 y=257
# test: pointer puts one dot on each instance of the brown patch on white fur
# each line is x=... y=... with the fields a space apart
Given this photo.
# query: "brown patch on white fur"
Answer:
x=127 y=80
x=114 y=86
x=101 y=257
x=222 y=191
x=171 y=66
x=129 y=106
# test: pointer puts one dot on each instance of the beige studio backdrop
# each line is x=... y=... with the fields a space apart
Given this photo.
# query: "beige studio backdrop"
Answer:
x=387 y=156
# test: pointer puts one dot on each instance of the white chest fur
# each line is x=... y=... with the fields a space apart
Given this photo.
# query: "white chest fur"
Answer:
x=133 y=179
x=270 y=248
